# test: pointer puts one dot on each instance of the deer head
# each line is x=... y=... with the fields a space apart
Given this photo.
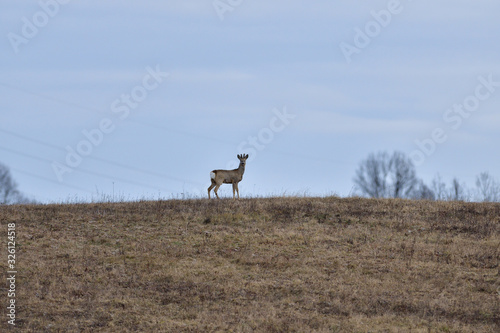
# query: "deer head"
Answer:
x=243 y=158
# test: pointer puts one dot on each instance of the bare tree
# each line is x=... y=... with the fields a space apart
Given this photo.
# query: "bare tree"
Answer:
x=386 y=176
x=422 y=192
x=403 y=175
x=393 y=176
x=371 y=176
x=9 y=194
x=458 y=192
x=8 y=187
x=439 y=188
x=488 y=188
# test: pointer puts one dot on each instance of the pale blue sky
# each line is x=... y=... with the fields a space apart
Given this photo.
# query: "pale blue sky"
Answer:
x=271 y=78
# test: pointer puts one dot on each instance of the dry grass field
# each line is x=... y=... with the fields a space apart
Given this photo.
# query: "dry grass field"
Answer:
x=256 y=265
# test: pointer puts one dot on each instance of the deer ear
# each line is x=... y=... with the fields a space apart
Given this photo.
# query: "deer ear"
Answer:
x=246 y=156
x=239 y=156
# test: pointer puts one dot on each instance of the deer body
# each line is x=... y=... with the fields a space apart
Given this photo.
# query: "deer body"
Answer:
x=219 y=177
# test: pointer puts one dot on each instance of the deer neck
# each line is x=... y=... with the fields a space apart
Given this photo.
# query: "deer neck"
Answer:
x=241 y=169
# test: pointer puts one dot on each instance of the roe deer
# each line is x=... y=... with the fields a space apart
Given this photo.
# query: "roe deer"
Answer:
x=219 y=177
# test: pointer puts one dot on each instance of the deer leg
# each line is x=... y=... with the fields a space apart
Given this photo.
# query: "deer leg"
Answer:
x=234 y=188
x=210 y=188
x=237 y=190
x=216 y=189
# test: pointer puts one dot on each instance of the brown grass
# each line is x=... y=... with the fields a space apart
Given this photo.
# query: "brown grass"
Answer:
x=257 y=265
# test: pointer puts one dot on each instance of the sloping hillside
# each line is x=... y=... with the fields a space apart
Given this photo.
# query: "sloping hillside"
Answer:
x=256 y=265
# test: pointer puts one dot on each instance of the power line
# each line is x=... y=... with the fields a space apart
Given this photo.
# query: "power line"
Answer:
x=83 y=170
x=195 y=135
x=56 y=100
x=60 y=101
x=49 y=180
x=152 y=173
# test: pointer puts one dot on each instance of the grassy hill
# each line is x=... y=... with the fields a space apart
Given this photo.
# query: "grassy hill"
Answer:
x=256 y=265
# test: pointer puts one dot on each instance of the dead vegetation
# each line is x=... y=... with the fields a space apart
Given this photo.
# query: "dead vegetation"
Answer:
x=257 y=265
